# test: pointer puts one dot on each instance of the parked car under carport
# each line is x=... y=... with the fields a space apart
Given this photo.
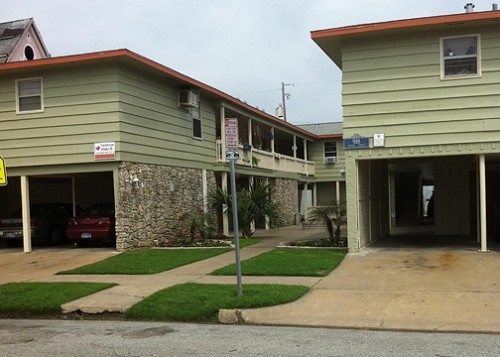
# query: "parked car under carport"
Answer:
x=94 y=224
x=48 y=223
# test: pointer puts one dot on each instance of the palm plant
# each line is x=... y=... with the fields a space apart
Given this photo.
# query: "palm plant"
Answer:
x=333 y=216
x=253 y=203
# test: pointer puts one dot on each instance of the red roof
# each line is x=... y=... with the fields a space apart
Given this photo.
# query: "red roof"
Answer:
x=329 y=39
x=408 y=23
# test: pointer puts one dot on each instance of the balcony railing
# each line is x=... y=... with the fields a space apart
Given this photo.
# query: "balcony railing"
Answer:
x=253 y=157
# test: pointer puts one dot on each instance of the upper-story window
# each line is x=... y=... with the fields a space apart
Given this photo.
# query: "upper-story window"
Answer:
x=29 y=95
x=460 y=57
x=196 y=115
x=330 y=152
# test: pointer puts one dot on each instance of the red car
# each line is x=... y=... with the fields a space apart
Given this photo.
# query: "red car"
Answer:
x=95 y=224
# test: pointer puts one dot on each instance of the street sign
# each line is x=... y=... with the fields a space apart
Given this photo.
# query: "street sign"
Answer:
x=232 y=155
x=3 y=173
x=231 y=133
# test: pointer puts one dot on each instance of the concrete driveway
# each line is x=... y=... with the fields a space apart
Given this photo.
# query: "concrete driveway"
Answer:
x=43 y=262
x=432 y=289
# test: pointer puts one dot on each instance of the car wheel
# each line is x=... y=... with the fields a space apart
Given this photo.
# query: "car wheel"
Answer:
x=55 y=237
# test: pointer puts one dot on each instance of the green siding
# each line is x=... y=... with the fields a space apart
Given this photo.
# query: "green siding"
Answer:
x=96 y=103
x=155 y=130
x=114 y=101
x=80 y=108
x=327 y=172
x=392 y=85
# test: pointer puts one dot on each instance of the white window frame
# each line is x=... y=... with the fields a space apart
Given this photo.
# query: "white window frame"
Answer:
x=329 y=153
x=444 y=57
x=18 y=96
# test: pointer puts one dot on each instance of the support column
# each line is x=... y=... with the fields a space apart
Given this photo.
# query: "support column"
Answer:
x=225 y=216
x=222 y=120
x=337 y=191
x=304 y=200
x=478 y=205
x=250 y=141
x=73 y=195
x=482 y=200
x=25 y=204
x=304 y=142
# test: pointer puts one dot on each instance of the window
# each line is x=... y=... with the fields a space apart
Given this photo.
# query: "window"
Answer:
x=29 y=95
x=196 y=115
x=330 y=148
x=29 y=54
x=460 y=57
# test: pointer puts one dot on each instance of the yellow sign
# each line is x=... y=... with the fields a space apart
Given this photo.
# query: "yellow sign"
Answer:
x=3 y=173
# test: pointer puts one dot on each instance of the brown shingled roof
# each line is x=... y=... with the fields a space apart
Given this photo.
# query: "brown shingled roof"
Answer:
x=10 y=35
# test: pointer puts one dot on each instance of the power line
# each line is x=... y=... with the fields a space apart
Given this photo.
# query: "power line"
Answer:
x=279 y=89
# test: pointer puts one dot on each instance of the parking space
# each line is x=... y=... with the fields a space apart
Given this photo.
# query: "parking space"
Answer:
x=15 y=265
x=53 y=200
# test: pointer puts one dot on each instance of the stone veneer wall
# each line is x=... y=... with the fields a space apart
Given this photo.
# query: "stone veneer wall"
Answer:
x=161 y=208
x=286 y=193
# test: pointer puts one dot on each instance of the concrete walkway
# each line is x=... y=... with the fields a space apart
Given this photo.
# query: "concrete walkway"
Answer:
x=134 y=288
x=417 y=288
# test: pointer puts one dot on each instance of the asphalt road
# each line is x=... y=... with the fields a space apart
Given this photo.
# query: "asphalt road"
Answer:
x=124 y=338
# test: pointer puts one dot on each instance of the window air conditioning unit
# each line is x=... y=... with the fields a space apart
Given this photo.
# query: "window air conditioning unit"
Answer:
x=189 y=98
x=330 y=160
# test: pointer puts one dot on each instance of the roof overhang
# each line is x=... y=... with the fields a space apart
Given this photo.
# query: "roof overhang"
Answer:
x=142 y=63
x=330 y=40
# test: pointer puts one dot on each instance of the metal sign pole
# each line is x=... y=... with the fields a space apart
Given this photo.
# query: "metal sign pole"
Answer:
x=235 y=227
x=232 y=154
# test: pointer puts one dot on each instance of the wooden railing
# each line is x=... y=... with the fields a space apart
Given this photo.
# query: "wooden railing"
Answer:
x=253 y=157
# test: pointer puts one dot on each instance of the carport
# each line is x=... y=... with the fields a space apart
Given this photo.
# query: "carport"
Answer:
x=82 y=187
x=393 y=198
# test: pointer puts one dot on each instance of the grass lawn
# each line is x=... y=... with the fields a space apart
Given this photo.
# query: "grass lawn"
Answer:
x=152 y=261
x=288 y=262
x=18 y=299
x=184 y=302
x=201 y=302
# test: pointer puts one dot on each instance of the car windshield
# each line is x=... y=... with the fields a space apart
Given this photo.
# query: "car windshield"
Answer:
x=100 y=210
x=35 y=210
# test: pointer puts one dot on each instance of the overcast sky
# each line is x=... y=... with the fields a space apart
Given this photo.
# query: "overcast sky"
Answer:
x=245 y=48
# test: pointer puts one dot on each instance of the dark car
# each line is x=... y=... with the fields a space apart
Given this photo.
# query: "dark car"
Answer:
x=48 y=223
x=95 y=224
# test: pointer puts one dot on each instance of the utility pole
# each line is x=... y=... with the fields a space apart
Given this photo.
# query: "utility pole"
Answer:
x=284 y=96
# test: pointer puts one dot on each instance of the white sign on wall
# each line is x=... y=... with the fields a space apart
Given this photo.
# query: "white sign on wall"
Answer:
x=378 y=140
x=104 y=151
